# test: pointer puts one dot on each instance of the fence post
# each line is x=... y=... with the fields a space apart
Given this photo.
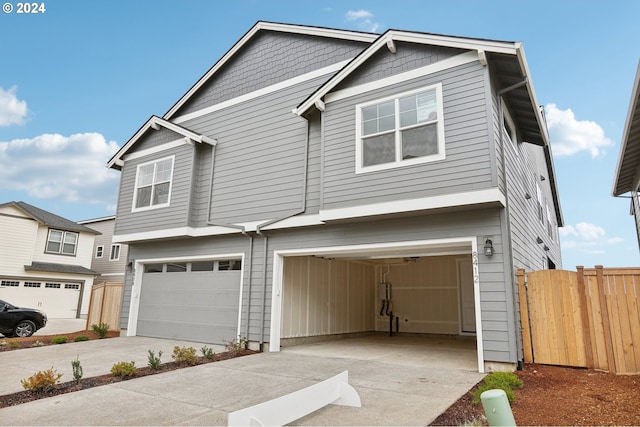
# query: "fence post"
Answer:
x=584 y=315
x=606 y=326
x=525 y=328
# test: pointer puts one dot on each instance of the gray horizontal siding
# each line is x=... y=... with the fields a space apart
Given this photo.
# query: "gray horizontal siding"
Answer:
x=499 y=328
x=259 y=159
x=468 y=161
x=175 y=215
x=270 y=57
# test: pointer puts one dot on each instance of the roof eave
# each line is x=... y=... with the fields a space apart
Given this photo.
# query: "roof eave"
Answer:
x=626 y=159
x=272 y=26
x=390 y=36
x=155 y=122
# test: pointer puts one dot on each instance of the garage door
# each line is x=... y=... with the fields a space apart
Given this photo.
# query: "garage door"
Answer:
x=58 y=300
x=192 y=301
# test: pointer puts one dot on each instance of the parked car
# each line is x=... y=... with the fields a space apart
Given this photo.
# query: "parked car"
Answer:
x=20 y=322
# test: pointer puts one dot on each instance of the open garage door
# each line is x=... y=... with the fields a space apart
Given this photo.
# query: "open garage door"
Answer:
x=192 y=301
x=335 y=292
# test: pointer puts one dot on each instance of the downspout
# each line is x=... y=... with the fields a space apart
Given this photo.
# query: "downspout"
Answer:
x=506 y=190
x=259 y=228
x=238 y=227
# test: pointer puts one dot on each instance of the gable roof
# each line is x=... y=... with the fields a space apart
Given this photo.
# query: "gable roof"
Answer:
x=628 y=167
x=507 y=60
x=155 y=123
x=49 y=219
x=269 y=26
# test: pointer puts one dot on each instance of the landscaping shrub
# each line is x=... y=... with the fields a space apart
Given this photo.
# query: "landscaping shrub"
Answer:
x=42 y=381
x=185 y=355
x=81 y=338
x=207 y=352
x=59 y=340
x=101 y=329
x=507 y=381
x=38 y=343
x=234 y=347
x=77 y=369
x=13 y=343
x=124 y=369
x=154 y=362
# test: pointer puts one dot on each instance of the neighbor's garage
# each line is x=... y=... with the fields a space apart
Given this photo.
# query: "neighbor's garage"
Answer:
x=59 y=300
x=194 y=301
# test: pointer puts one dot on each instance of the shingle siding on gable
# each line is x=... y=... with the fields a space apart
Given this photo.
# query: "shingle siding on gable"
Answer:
x=155 y=138
x=408 y=56
x=467 y=165
x=271 y=57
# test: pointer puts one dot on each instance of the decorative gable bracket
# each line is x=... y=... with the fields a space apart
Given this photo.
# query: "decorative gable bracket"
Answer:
x=157 y=123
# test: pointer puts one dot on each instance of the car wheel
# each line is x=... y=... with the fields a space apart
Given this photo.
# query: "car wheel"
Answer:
x=25 y=328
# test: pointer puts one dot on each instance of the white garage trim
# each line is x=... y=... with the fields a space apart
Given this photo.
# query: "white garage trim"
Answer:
x=138 y=265
x=391 y=249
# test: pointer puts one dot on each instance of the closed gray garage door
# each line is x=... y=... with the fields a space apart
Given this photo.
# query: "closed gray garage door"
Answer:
x=192 y=301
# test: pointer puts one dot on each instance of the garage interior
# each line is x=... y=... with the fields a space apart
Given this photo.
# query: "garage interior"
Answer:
x=417 y=308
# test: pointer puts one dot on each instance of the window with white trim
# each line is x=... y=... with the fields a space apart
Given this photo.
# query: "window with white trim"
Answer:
x=62 y=242
x=402 y=130
x=114 y=255
x=153 y=184
x=99 y=251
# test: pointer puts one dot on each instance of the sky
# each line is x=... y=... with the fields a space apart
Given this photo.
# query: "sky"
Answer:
x=78 y=79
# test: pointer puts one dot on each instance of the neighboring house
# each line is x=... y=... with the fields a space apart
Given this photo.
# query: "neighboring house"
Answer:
x=627 y=177
x=109 y=259
x=45 y=261
x=311 y=166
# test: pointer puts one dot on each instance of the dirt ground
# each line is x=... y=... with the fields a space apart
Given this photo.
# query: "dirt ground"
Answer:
x=561 y=396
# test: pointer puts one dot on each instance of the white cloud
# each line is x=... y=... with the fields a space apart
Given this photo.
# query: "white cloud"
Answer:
x=363 y=18
x=583 y=230
x=12 y=110
x=586 y=238
x=68 y=168
x=570 y=136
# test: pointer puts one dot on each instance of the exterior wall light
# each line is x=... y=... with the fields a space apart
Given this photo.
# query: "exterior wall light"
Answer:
x=488 y=247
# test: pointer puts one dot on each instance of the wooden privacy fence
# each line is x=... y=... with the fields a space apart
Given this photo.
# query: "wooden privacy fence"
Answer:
x=104 y=306
x=589 y=318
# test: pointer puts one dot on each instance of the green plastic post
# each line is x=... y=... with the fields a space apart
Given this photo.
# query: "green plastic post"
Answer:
x=496 y=408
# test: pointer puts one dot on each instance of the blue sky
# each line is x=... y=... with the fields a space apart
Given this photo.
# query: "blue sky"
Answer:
x=77 y=81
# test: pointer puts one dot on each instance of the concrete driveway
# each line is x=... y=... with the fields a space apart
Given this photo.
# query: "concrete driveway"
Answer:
x=398 y=392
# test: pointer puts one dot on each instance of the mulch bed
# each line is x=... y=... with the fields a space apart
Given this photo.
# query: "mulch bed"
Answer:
x=71 y=386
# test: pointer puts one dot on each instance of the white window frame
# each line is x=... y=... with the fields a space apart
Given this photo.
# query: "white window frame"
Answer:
x=99 y=251
x=509 y=130
x=62 y=242
x=399 y=162
x=135 y=189
x=115 y=248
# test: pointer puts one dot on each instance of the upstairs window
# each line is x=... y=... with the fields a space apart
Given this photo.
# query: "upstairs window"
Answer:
x=99 y=251
x=153 y=184
x=62 y=242
x=114 y=255
x=402 y=130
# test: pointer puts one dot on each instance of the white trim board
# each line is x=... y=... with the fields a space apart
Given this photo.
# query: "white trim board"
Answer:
x=376 y=249
x=261 y=92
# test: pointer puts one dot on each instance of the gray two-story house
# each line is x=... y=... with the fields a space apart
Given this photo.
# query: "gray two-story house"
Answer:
x=319 y=183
